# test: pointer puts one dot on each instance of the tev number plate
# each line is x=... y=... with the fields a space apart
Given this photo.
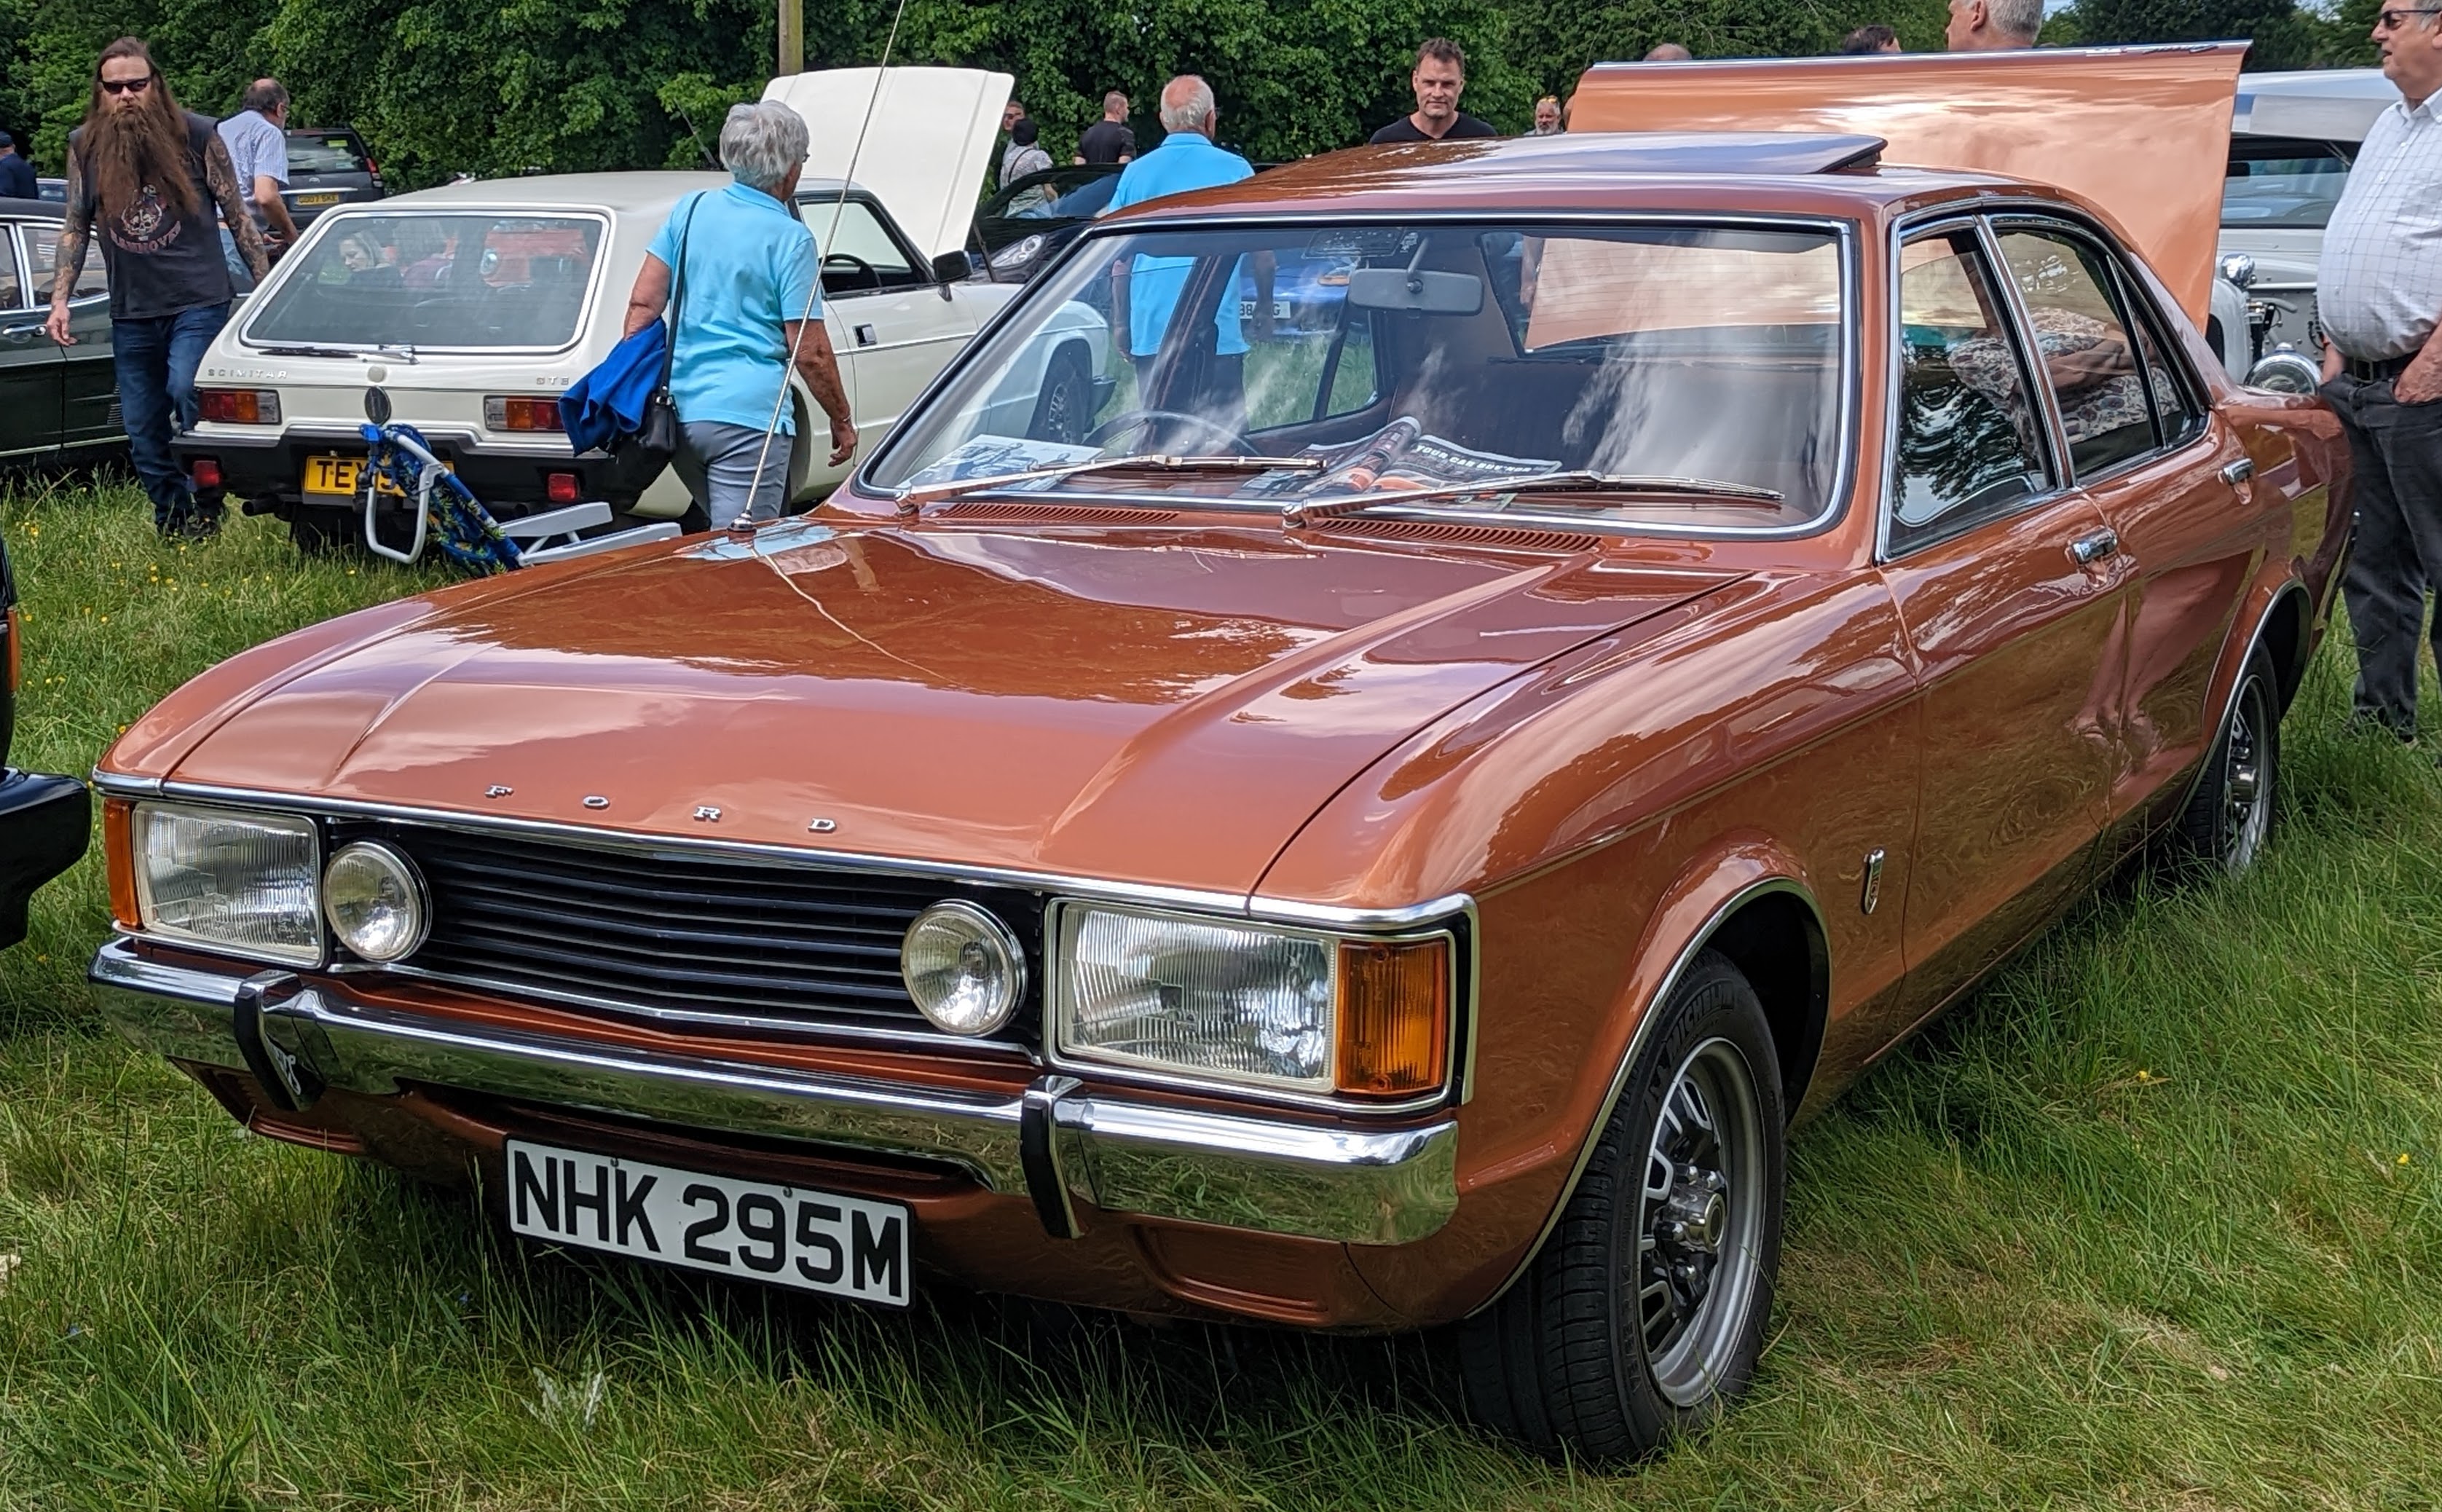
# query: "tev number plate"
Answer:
x=756 y=1231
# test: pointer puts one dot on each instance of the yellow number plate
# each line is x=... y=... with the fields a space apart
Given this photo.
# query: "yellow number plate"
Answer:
x=342 y=476
x=318 y=199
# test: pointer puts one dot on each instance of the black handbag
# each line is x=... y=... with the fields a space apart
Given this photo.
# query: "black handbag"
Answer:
x=643 y=453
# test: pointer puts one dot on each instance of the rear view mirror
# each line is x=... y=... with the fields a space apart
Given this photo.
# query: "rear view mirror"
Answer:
x=1425 y=293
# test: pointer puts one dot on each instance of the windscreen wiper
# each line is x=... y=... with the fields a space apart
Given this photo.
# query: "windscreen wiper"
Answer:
x=913 y=499
x=1575 y=479
x=383 y=351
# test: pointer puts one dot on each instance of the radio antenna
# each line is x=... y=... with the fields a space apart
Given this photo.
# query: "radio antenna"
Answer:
x=839 y=207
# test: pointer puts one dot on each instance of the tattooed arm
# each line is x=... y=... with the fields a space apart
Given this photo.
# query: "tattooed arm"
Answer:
x=221 y=174
x=67 y=255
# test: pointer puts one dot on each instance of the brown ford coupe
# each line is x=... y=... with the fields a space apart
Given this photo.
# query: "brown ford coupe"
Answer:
x=1531 y=664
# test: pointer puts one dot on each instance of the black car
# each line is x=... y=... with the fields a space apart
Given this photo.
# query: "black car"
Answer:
x=45 y=820
x=327 y=166
x=1035 y=217
x=53 y=400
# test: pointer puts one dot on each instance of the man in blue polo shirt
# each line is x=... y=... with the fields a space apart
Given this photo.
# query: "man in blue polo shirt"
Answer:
x=1148 y=293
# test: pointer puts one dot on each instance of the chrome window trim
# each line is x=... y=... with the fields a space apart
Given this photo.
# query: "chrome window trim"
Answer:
x=364 y=209
x=1845 y=232
x=1459 y=1075
x=1636 y=1042
x=19 y=258
x=1244 y=905
x=1929 y=222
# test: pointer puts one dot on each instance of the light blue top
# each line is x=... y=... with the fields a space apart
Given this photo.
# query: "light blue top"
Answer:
x=750 y=266
x=257 y=149
x=1185 y=160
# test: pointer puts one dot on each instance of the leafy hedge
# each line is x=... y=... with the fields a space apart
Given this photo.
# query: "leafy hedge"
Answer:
x=501 y=86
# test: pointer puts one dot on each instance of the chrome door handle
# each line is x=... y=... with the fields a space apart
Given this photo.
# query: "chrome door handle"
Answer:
x=20 y=330
x=865 y=337
x=2238 y=472
x=2088 y=550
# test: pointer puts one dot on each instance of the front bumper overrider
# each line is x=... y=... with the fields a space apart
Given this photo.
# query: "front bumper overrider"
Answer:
x=1055 y=1143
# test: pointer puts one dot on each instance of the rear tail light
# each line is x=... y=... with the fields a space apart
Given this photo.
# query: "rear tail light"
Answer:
x=204 y=471
x=560 y=487
x=239 y=406
x=502 y=412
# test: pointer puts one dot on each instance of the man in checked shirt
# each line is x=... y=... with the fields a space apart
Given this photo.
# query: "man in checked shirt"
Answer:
x=2378 y=296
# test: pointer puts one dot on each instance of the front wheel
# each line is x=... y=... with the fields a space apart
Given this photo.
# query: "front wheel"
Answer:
x=2228 y=817
x=1643 y=1314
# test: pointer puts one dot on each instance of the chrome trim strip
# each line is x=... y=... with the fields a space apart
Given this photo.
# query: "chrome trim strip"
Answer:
x=1846 y=231
x=1257 y=906
x=1355 y=1186
x=1636 y=1046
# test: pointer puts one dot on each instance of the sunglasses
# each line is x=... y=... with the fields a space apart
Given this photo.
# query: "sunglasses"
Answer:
x=2393 y=20
x=132 y=87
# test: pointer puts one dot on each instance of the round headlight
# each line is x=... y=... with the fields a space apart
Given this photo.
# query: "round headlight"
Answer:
x=963 y=968
x=2286 y=370
x=375 y=902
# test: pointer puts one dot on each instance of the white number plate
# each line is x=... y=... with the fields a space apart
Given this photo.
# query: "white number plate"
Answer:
x=818 y=1241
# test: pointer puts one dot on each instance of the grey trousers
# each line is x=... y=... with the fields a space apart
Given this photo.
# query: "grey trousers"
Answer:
x=2396 y=452
x=718 y=466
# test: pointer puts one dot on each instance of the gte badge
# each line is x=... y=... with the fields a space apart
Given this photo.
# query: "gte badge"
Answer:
x=756 y=1231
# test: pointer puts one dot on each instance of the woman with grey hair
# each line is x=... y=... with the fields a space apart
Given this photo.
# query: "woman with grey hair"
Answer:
x=748 y=294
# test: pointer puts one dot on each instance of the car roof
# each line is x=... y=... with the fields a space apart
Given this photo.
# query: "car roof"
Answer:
x=47 y=209
x=1815 y=172
x=626 y=193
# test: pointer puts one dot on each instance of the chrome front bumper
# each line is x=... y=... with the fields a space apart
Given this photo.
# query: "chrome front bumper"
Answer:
x=1050 y=1144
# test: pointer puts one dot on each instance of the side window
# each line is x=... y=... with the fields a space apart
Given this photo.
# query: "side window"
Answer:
x=2081 y=334
x=1967 y=444
x=859 y=253
x=42 y=246
x=12 y=293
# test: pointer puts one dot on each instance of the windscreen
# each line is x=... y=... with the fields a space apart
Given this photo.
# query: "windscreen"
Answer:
x=324 y=153
x=1389 y=358
x=2277 y=184
x=476 y=279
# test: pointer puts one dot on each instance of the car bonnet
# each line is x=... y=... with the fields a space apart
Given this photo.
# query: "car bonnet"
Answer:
x=2142 y=133
x=920 y=139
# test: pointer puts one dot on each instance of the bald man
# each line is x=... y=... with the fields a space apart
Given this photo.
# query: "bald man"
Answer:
x=1670 y=52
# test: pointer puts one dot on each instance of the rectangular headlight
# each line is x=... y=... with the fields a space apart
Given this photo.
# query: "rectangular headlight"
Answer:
x=249 y=884
x=1252 y=1004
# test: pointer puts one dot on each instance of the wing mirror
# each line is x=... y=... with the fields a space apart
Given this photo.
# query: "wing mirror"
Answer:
x=950 y=268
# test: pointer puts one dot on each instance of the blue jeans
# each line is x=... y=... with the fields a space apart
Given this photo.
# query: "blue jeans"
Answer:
x=241 y=276
x=156 y=361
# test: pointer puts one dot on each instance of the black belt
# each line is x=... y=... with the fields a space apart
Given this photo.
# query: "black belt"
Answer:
x=2381 y=370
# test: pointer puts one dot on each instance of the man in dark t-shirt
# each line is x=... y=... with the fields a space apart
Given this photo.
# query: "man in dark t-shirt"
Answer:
x=16 y=174
x=1440 y=75
x=1108 y=140
x=145 y=177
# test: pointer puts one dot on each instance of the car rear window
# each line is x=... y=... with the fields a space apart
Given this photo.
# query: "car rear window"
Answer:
x=315 y=151
x=474 y=280
x=2282 y=184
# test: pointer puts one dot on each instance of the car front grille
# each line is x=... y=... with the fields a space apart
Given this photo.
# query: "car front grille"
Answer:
x=678 y=933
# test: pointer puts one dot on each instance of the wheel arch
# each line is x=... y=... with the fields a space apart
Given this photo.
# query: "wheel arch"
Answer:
x=2283 y=632
x=1769 y=926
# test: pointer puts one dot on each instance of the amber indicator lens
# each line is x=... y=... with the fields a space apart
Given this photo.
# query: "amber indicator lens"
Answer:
x=1394 y=1013
x=117 y=850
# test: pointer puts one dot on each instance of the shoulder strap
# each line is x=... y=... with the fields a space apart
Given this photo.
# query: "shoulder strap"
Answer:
x=678 y=289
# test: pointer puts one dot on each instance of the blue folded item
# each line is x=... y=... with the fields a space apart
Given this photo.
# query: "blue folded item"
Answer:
x=609 y=402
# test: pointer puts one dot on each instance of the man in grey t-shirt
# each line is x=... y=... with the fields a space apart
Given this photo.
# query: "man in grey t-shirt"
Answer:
x=257 y=138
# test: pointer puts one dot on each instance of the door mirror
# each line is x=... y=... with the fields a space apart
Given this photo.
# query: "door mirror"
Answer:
x=950 y=268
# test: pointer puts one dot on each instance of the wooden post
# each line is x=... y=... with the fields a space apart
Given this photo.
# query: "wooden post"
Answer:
x=792 y=38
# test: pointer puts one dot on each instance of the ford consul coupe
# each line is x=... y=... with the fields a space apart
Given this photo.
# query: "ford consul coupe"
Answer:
x=1387 y=831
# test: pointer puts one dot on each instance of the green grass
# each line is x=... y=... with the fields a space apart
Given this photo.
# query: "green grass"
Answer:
x=2156 y=1221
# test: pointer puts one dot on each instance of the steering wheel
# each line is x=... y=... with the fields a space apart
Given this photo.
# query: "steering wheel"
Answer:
x=861 y=265
x=1119 y=425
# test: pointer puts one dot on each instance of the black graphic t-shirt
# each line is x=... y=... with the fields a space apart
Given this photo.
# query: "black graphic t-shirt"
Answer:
x=161 y=261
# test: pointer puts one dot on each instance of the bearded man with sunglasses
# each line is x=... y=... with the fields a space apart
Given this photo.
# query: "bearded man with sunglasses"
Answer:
x=149 y=177
x=2377 y=296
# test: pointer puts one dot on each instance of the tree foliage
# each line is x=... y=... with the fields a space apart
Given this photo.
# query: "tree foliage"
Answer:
x=502 y=86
